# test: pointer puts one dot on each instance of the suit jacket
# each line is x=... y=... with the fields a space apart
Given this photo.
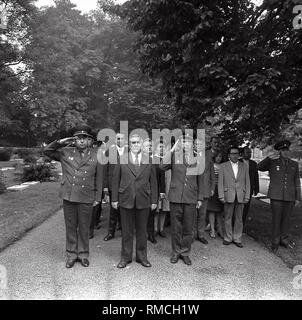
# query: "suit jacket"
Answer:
x=229 y=186
x=82 y=179
x=131 y=189
x=109 y=167
x=254 y=177
x=284 y=179
x=184 y=188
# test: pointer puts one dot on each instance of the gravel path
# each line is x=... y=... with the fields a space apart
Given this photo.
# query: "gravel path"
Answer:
x=36 y=270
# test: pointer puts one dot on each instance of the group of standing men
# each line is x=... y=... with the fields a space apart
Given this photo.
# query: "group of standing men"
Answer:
x=134 y=186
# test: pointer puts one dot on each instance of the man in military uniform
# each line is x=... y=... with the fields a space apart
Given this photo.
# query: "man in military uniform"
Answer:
x=284 y=191
x=81 y=189
x=185 y=195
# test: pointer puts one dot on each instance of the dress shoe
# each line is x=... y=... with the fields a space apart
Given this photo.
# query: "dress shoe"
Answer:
x=238 y=244
x=70 y=263
x=144 y=263
x=186 y=260
x=202 y=240
x=162 y=234
x=274 y=248
x=174 y=258
x=109 y=237
x=91 y=236
x=84 y=262
x=122 y=264
x=152 y=239
x=226 y=243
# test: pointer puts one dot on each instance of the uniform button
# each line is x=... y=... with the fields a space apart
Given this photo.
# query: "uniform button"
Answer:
x=83 y=178
x=82 y=186
x=73 y=184
x=74 y=177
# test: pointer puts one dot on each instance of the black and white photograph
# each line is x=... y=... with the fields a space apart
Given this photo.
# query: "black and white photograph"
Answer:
x=150 y=151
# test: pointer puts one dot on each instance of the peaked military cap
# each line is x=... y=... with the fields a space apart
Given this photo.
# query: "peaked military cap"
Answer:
x=282 y=144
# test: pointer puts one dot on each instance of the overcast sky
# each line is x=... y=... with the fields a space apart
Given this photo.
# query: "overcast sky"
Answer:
x=86 y=5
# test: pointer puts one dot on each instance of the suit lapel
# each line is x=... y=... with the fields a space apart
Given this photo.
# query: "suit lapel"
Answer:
x=230 y=168
x=143 y=164
x=130 y=165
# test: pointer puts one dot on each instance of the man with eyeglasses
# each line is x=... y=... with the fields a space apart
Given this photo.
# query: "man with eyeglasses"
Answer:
x=117 y=151
x=284 y=192
x=81 y=189
x=234 y=192
x=134 y=191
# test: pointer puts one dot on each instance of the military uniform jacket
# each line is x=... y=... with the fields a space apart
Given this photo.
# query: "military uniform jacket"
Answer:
x=82 y=179
x=184 y=188
x=134 y=189
x=284 y=179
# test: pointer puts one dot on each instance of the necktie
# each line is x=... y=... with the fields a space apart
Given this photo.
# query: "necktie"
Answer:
x=136 y=163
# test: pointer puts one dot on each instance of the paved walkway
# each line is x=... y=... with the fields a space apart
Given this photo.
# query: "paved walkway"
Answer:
x=36 y=270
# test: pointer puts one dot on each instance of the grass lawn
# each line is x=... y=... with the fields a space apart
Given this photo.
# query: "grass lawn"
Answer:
x=21 y=211
x=260 y=229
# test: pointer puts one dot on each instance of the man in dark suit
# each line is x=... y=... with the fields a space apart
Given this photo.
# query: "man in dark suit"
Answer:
x=254 y=179
x=284 y=191
x=208 y=190
x=185 y=195
x=115 y=151
x=234 y=192
x=81 y=189
x=134 y=190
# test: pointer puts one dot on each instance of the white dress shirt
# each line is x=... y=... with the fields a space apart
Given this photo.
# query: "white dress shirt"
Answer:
x=120 y=150
x=235 y=168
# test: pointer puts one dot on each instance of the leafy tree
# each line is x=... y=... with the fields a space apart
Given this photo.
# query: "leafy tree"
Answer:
x=229 y=60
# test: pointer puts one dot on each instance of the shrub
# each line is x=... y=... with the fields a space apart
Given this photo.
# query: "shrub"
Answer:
x=2 y=184
x=5 y=154
x=38 y=172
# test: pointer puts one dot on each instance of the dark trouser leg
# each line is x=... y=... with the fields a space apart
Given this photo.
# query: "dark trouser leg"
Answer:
x=228 y=221
x=92 y=221
x=127 y=222
x=84 y=217
x=141 y=220
x=238 y=225
x=285 y=220
x=176 y=215
x=245 y=212
x=189 y=216
x=201 y=219
x=276 y=207
x=71 y=223
x=150 y=225
x=113 y=218
x=98 y=212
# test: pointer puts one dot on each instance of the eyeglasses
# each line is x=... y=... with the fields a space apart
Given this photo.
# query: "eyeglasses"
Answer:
x=135 y=142
x=234 y=153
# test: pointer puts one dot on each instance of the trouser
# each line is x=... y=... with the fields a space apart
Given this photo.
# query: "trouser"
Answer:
x=182 y=222
x=114 y=218
x=95 y=217
x=233 y=233
x=150 y=225
x=201 y=219
x=129 y=219
x=281 y=213
x=77 y=221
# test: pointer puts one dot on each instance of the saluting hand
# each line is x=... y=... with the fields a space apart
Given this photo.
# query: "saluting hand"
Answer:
x=95 y=203
x=66 y=140
x=274 y=156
